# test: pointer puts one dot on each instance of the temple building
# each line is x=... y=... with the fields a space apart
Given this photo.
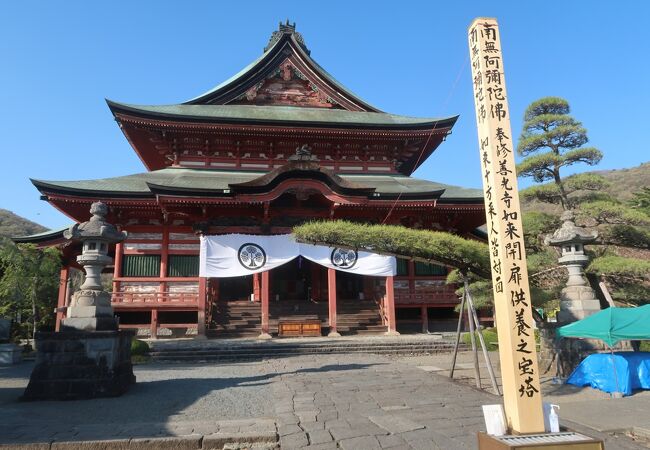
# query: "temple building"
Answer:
x=280 y=143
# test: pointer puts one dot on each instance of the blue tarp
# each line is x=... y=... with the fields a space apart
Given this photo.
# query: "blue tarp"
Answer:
x=597 y=370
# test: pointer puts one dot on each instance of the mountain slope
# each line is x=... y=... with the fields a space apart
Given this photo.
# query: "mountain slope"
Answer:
x=13 y=225
x=623 y=184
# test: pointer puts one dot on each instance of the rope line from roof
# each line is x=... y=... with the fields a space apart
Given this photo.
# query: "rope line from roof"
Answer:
x=452 y=90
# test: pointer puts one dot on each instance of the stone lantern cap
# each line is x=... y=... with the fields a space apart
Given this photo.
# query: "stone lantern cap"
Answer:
x=95 y=228
x=570 y=233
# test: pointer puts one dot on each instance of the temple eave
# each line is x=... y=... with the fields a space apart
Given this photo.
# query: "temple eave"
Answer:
x=216 y=117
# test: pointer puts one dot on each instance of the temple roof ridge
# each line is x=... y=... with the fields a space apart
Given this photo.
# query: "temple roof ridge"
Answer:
x=284 y=43
x=286 y=28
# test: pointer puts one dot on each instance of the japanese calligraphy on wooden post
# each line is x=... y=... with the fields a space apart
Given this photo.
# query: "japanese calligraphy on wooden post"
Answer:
x=520 y=375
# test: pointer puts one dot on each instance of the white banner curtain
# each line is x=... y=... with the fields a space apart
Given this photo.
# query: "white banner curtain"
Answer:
x=236 y=255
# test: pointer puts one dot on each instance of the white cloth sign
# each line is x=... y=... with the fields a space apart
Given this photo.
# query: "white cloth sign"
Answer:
x=236 y=255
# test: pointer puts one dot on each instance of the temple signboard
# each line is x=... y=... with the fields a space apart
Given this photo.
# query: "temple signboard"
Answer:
x=512 y=300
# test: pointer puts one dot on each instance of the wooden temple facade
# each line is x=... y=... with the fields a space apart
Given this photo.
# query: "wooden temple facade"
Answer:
x=225 y=162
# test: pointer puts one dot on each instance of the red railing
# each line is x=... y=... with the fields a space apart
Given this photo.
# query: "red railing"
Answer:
x=155 y=298
x=444 y=294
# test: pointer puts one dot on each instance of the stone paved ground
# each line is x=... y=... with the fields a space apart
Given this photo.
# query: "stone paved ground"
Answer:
x=579 y=406
x=318 y=402
x=383 y=403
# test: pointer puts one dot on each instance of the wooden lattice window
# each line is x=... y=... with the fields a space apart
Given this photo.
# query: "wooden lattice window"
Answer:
x=402 y=267
x=183 y=266
x=141 y=266
x=424 y=269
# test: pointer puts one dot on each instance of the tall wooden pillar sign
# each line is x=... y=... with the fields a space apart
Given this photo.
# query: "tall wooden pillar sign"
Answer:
x=512 y=301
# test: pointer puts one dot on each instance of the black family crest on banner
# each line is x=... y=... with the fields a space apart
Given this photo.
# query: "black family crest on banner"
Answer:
x=345 y=259
x=251 y=256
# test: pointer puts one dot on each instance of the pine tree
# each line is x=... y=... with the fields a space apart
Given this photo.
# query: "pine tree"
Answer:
x=551 y=139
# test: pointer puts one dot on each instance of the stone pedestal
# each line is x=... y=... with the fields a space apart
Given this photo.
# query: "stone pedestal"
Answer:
x=10 y=354
x=560 y=357
x=90 y=310
x=73 y=365
x=576 y=303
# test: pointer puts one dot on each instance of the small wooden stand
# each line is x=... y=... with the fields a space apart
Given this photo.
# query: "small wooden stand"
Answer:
x=299 y=326
x=548 y=441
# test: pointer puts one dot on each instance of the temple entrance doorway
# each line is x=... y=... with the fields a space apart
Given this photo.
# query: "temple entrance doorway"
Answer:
x=236 y=288
x=292 y=281
x=349 y=286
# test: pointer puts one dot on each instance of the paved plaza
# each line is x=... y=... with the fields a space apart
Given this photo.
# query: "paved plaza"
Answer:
x=314 y=402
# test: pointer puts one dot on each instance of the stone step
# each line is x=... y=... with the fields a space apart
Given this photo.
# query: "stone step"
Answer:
x=289 y=349
x=305 y=345
x=257 y=353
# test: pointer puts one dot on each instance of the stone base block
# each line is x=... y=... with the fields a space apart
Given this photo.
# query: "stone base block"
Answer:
x=10 y=354
x=90 y=311
x=73 y=365
x=576 y=303
x=560 y=357
x=89 y=324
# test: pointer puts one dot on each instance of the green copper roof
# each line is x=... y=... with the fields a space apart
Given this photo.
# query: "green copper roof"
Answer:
x=137 y=185
x=281 y=114
x=40 y=237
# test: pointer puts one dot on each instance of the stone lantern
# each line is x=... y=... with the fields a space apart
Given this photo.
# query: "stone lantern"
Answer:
x=577 y=299
x=90 y=357
x=90 y=307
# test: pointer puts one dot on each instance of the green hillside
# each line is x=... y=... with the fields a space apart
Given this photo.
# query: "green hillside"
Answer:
x=623 y=184
x=14 y=225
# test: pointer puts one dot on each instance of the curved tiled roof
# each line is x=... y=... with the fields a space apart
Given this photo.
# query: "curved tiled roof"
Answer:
x=252 y=114
x=186 y=179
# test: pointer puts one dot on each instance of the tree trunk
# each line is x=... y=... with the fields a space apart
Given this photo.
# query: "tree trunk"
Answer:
x=34 y=312
x=564 y=199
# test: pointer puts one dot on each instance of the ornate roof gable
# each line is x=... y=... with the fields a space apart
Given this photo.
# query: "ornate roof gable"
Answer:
x=285 y=75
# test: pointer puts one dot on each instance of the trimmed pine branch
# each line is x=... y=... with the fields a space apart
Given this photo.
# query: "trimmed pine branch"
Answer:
x=436 y=247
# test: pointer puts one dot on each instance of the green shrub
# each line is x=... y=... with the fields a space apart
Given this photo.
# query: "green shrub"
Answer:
x=645 y=346
x=489 y=335
x=139 y=348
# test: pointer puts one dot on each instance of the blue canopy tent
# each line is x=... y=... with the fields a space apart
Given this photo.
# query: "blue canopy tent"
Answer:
x=631 y=370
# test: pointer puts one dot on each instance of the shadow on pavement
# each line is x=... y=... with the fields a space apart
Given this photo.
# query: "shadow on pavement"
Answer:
x=153 y=407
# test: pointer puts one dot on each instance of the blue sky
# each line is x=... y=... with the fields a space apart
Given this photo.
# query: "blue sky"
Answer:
x=61 y=59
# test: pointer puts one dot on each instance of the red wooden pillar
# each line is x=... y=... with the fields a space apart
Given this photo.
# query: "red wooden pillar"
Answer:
x=411 y=277
x=256 y=287
x=266 y=293
x=202 y=302
x=331 y=301
x=63 y=295
x=154 y=324
x=164 y=259
x=390 y=306
x=424 y=312
x=117 y=269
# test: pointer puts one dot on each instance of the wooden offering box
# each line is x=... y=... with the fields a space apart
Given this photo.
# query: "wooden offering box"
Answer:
x=299 y=326
x=551 y=441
